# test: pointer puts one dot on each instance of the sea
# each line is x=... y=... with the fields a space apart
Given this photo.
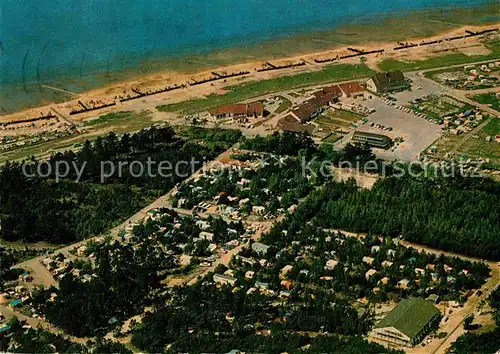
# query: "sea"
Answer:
x=69 y=44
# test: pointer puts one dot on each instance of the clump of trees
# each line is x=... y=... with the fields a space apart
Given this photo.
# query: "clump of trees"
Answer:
x=278 y=184
x=285 y=143
x=223 y=319
x=100 y=303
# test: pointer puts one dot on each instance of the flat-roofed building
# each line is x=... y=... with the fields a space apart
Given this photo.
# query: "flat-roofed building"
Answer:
x=224 y=279
x=373 y=140
x=408 y=323
x=260 y=248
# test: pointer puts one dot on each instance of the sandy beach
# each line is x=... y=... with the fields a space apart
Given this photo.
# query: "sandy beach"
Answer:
x=107 y=94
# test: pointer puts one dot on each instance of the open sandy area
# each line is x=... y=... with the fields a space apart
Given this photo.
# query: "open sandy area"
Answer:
x=108 y=94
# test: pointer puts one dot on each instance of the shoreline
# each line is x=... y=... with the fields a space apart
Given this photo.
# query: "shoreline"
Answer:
x=168 y=77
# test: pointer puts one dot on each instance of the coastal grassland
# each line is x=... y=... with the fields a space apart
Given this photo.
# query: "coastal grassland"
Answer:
x=238 y=93
x=443 y=60
x=123 y=121
x=118 y=122
x=489 y=99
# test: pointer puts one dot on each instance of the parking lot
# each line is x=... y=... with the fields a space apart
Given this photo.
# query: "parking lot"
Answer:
x=417 y=133
x=421 y=86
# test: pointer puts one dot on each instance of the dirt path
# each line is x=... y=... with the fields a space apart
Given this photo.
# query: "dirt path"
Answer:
x=36 y=322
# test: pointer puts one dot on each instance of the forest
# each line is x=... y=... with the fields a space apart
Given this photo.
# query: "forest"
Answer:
x=285 y=143
x=118 y=271
x=42 y=209
x=458 y=214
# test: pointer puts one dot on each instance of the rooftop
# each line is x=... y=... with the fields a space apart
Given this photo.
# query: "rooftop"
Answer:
x=305 y=110
x=289 y=123
x=371 y=136
x=349 y=88
x=410 y=316
x=388 y=79
x=238 y=109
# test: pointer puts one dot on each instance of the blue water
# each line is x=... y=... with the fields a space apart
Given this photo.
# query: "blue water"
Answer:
x=44 y=40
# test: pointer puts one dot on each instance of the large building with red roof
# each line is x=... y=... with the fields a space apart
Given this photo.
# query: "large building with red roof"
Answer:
x=352 y=89
x=238 y=110
x=314 y=106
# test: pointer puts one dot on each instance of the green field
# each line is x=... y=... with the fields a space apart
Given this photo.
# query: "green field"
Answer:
x=333 y=73
x=488 y=98
x=332 y=138
x=124 y=121
x=285 y=104
x=338 y=119
x=493 y=127
x=443 y=60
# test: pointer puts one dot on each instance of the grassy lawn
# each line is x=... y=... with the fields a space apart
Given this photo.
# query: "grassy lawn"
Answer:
x=108 y=117
x=488 y=98
x=333 y=120
x=346 y=115
x=238 y=93
x=285 y=104
x=327 y=123
x=493 y=127
x=443 y=60
x=332 y=138
x=338 y=120
x=123 y=121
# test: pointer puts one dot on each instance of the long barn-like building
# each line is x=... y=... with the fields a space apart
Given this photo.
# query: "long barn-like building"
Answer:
x=408 y=323
x=239 y=110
